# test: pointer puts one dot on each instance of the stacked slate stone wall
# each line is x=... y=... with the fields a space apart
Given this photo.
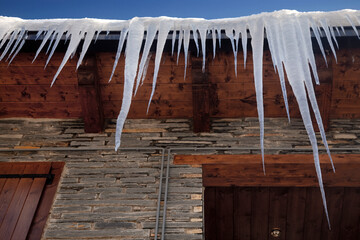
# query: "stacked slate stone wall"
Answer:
x=105 y=194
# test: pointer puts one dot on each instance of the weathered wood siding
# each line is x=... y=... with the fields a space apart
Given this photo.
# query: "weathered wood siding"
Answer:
x=25 y=87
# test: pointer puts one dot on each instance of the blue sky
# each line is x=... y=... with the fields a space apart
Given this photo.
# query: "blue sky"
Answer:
x=126 y=9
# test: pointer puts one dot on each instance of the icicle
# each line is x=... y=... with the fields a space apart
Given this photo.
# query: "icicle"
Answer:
x=277 y=53
x=229 y=32
x=180 y=40
x=173 y=42
x=46 y=37
x=150 y=36
x=4 y=37
x=53 y=37
x=213 y=34
x=338 y=31
x=244 y=39
x=58 y=38
x=74 y=42
x=203 y=30
x=219 y=36
x=327 y=34
x=196 y=40
x=88 y=38
x=352 y=25
x=318 y=39
x=186 y=47
x=136 y=34
x=257 y=33
x=145 y=69
x=164 y=28
x=296 y=77
x=12 y=39
x=304 y=28
x=122 y=38
x=18 y=40
x=18 y=49
x=97 y=36
x=331 y=28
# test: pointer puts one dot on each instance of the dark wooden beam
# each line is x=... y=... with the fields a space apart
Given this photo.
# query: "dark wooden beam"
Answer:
x=89 y=94
x=201 y=97
x=281 y=170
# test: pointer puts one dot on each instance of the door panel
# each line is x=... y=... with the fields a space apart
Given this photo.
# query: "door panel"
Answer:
x=295 y=213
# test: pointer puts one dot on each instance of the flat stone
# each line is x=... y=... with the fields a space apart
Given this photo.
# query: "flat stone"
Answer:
x=344 y=136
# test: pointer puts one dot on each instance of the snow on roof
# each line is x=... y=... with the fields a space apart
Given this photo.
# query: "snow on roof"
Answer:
x=288 y=34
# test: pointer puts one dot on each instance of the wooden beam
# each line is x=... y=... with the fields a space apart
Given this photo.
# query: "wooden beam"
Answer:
x=251 y=159
x=89 y=94
x=281 y=170
x=201 y=97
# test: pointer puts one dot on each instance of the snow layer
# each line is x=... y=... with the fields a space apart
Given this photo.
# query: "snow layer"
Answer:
x=288 y=33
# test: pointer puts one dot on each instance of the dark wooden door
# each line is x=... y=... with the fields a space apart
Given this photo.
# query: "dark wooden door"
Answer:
x=294 y=212
x=20 y=198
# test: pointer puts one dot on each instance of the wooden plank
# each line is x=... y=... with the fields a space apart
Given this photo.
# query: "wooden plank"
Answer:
x=9 y=189
x=210 y=213
x=334 y=198
x=269 y=159
x=313 y=214
x=158 y=109
x=45 y=203
x=260 y=212
x=167 y=74
x=242 y=213
x=170 y=92
x=295 y=213
x=201 y=97
x=350 y=219
x=4 y=169
x=277 y=211
x=40 y=109
x=106 y=59
x=224 y=213
x=30 y=75
x=279 y=175
x=38 y=93
x=13 y=212
x=24 y=59
x=27 y=214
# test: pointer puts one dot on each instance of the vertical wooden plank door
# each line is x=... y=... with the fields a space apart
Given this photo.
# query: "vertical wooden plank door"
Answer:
x=20 y=196
x=279 y=213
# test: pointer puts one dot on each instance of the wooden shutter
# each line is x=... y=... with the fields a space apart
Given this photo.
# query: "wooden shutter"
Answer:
x=20 y=197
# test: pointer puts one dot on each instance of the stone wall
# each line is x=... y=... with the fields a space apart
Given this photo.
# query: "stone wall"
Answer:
x=109 y=195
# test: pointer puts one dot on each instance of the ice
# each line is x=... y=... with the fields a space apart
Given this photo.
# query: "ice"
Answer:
x=150 y=36
x=173 y=39
x=202 y=28
x=244 y=39
x=257 y=34
x=289 y=34
x=122 y=37
x=180 y=40
x=164 y=27
x=186 y=48
x=213 y=36
x=136 y=34
x=229 y=32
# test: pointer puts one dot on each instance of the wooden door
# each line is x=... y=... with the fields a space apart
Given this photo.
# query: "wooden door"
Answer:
x=22 y=188
x=272 y=213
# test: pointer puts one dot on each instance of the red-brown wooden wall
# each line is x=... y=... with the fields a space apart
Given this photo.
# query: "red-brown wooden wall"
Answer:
x=25 y=88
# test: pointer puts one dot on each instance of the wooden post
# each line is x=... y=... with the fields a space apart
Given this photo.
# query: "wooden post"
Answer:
x=89 y=94
x=201 y=97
